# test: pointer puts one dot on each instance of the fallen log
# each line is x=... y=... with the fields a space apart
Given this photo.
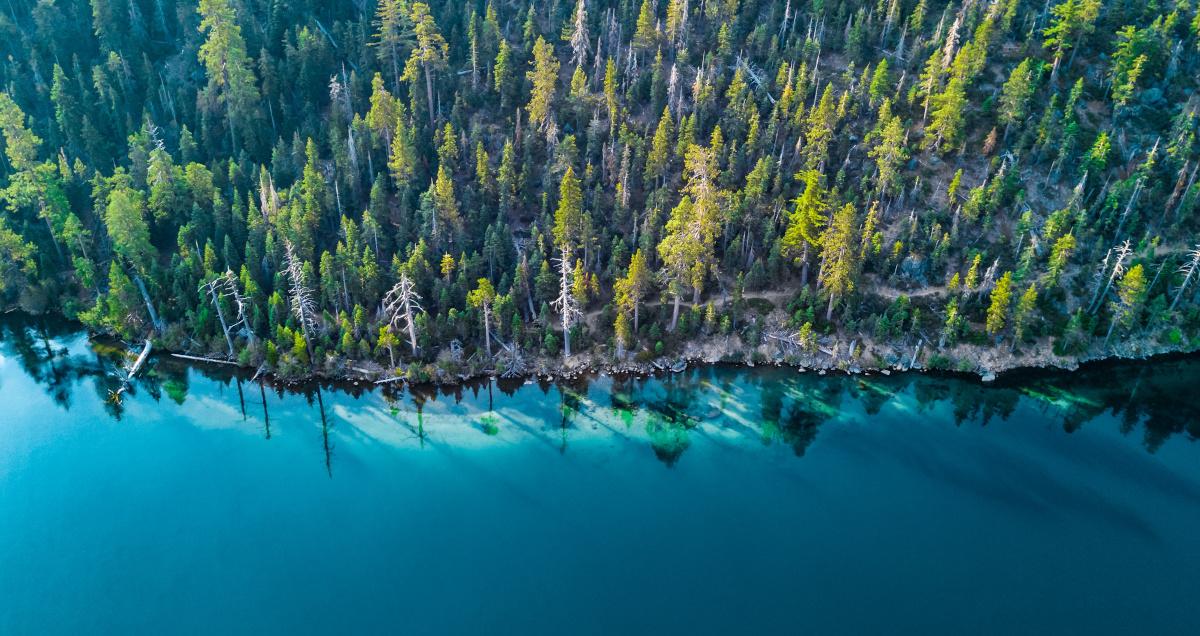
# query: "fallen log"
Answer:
x=202 y=359
x=115 y=396
x=141 y=360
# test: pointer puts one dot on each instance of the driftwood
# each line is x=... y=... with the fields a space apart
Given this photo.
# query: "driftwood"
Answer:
x=390 y=380
x=916 y=352
x=115 y=396
x=202 y=359
x=141 y=360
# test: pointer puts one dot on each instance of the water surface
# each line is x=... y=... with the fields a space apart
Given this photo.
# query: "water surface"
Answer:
x=716 y=501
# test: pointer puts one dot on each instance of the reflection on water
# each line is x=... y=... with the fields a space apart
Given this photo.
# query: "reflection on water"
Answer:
x=729 y=405
x=681 y=504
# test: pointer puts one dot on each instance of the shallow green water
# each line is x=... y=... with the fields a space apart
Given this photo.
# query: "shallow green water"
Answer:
x=716 y=501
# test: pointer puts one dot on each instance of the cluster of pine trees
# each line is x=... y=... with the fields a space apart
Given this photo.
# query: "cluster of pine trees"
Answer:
x=304 y=182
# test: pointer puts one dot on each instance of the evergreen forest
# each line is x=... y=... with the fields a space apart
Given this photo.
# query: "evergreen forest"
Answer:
x=416 y=188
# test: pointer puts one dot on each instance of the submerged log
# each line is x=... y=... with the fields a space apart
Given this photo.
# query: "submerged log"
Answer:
x=141 y=360
x=115 y=396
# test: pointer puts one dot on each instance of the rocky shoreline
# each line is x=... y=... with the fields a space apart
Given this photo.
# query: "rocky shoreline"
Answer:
x=833 y=355
x=992 y=364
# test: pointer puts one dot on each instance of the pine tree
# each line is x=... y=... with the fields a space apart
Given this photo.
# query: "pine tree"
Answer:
x=1024 y=313
x=1016 y=94
x=1131 y=295
x=402 y=154
x=646 y=33
x=1060 y=255
x=1096 y=159
x=946 y=125
x=687 y=245
x=660 y=148
x=610 y=93
x=543 y=77
x=622 y=333
x=446 y=220
x=1071 y=22
x=839 y=262
x=633 y=287
x=392 y=33
x=953 y=326
x=17 y=264
x=889 y=152
x=429 y=53
x=569 y=220
x=806 y=220
x=503 y=73
x=1001 y=299
x=231 y=79
x=880 y=82
x=482 y=298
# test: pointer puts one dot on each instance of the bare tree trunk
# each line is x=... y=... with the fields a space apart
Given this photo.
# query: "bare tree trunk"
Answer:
x=487 y=329
x=412 y=334
x=804 y=270
x=1111 y=326
x=429 y=95
x=675 y=313
x=224 y=326
x=154 y=319
x=53 y=238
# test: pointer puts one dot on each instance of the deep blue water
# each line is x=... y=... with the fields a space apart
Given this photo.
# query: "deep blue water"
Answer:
x=717 y=501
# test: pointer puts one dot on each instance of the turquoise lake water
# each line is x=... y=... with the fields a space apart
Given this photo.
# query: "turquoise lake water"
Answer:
x=715 y=501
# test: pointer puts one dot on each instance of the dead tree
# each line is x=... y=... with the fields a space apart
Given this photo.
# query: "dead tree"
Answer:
x=1121 y=252
x=226 y=286
x=511 y=361
x=579 y=35
x=304 y=306
x=1188 y=270
x=566 y=304
x=400 y=306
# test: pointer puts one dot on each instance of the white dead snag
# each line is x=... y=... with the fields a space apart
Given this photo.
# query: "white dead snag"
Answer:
x=1098 y=277
x=225 y=286
x=487 y=327
x=304 y=306
x=1121 y=252
x=566 y=304
x=989 y=278
x=579 y=35
x=158 y=323
x=212 y=288
x=1188 y=270
x=511 y=361
x=401 y=305
x=240 y=305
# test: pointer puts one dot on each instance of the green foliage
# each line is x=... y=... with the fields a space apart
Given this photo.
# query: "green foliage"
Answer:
x=998 y=308
x=146 y=153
